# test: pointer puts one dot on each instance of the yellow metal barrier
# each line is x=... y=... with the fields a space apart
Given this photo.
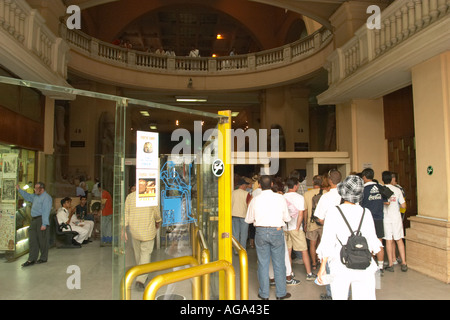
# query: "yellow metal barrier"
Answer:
x=243 y=263
x=180 y=275
x=204 y=259
x=135 y=271
x=224 y=196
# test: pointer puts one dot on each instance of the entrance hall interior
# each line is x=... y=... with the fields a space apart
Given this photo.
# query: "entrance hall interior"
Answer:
x=340 y=93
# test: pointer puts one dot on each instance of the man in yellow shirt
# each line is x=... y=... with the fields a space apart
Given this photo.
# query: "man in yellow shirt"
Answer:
x=142 y=222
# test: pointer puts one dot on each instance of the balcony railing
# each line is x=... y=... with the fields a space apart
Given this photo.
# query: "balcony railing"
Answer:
x=113 y=54
x=27 y=27
x=399 y=22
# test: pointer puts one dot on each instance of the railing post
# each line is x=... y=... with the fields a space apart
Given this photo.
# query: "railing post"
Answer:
x=94 y=48
x=171 y=63
x=212 y=65
x=252 y=62
x=287 y=54
x=131 y=59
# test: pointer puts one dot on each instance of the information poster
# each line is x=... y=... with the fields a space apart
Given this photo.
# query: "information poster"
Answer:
x=147 y=150
x=146 y=187
x=7 y=227
x=147 y=169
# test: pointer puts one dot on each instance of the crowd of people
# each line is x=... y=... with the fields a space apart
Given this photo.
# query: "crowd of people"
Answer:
x=278 y=217
x=282 y=219
x=158 y=51
x=88 y=223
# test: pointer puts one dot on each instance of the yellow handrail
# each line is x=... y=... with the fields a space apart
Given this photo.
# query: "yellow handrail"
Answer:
x=204 y=259
x=224 y=229
x=243 y=263
x=135 y=271
x=180 y=275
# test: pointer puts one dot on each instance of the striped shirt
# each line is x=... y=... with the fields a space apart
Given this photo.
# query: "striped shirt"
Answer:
x=141 y=220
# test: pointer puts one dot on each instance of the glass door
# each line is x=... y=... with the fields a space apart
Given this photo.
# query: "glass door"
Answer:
x=173 y=150
x=166 y=155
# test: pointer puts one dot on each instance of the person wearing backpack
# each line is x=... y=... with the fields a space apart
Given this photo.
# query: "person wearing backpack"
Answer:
x=334 y=247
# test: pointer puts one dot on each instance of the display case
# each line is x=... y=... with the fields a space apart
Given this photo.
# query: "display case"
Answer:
x=17 y=168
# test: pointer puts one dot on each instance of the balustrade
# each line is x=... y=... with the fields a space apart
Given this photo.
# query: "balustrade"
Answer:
x=400 y=21
x=238 y=63
x=28 y=28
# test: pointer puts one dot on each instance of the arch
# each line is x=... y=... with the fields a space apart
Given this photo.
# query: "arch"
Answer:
x=252 y=15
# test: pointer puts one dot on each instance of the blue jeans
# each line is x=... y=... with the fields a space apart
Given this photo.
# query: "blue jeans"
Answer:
x=240 y=230
x=270 y=245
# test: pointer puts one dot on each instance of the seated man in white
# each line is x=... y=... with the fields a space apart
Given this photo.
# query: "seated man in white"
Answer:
x=65 y=215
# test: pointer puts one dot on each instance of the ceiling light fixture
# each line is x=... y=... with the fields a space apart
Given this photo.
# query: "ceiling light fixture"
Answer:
x=191 y=99
x=219 y=36
x=145 y=113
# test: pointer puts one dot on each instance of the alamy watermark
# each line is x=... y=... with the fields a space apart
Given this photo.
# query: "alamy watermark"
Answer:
x=74 y=280
x=74 y=20
x=374 y=21
x=255 y=143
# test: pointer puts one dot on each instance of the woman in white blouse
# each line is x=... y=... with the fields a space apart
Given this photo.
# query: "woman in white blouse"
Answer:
x=362 y=281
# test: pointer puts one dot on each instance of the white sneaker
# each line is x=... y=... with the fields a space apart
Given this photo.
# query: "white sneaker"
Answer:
x=292 y=282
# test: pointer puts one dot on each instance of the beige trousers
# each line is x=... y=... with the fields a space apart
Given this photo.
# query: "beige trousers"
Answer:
x=142 y=253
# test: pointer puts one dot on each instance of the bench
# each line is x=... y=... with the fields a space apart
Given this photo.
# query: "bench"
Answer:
x=66 y=235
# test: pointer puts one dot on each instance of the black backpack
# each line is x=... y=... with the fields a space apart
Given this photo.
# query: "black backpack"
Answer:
x=355 y=254
x=315 y=201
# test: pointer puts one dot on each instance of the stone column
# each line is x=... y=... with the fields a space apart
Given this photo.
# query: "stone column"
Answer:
x=428 y=239
x=360 y=132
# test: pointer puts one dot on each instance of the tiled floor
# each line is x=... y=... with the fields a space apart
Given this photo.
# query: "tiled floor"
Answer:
x=50 y=280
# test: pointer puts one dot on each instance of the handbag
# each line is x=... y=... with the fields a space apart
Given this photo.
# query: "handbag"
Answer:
x=385 y=192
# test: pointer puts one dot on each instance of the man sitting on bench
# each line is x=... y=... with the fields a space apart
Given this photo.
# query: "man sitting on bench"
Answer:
x=66 y=215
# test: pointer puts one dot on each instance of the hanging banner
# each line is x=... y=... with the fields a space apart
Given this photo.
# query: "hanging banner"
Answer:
x=147 y=169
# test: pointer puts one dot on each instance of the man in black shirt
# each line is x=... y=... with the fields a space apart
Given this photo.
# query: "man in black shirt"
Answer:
x=82 y=210
x=374 y=201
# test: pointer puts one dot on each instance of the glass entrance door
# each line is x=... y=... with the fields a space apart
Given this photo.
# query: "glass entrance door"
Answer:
x=174 y=150
x=169 y=158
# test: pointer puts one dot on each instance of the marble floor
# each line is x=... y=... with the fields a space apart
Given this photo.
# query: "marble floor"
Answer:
x=54 y=280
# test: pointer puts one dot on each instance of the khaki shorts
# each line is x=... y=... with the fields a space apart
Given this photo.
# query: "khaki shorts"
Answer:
x=296 y=240
x=314 y=235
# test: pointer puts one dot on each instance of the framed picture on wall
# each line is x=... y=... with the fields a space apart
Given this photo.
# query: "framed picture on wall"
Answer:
x=9 y=190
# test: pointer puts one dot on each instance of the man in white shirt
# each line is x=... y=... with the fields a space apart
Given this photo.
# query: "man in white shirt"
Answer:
x=295 y=236
x=326 y=203
x=65 y=215
x=331 y=198
x=269 y=213
x=393 y=224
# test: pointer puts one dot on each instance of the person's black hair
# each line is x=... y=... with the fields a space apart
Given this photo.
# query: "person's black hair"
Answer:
x=386 y=176
x=335 y=176
x=265 y=182
x=368 y=173
x=63 y=200
x=291 y=182
x=41 y=185
x=317 y=180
